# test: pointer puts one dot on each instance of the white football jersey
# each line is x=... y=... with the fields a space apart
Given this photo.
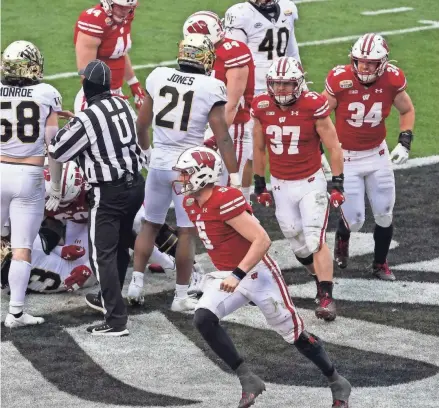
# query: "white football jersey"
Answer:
x=268 y=36
x=182 y=103
x=24 y=114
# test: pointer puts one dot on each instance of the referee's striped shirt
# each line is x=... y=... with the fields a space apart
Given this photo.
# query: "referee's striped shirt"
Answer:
x=103 y=137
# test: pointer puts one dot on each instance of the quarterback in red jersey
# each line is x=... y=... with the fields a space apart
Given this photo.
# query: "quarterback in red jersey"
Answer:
x=362 y=95
x=238 y=245
x=290 y=121
x=104 y=32
x=235 y=67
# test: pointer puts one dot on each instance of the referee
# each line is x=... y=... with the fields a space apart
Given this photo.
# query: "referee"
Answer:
x=103 y=138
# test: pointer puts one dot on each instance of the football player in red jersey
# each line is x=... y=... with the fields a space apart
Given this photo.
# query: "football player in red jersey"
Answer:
x=237 y=245
x=362 y=94
x=291 y=122
x=235 y=67
x=104 y=32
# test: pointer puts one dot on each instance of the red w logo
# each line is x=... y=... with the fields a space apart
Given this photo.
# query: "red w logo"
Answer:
x=206 y=158
x=200 y=27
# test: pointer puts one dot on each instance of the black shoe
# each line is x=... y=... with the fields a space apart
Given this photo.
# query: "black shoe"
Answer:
x=104 y=329
x=94 y=301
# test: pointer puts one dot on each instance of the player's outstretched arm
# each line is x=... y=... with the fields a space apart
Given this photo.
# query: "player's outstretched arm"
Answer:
x=249 y=227
x=220 y=129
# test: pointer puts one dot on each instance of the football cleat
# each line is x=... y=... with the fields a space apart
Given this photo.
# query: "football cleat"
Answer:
x=185 y=304
x=252 y=387
x=382 y=271
x=197 y=282
x=341 y=251
x=105 y=330
x=326 y=309
x=24 y=320
x=135 y=289
x=341 y=390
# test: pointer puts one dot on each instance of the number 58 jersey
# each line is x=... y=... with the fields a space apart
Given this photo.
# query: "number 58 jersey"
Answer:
x=181 y=105
x=24 y=114
x=361 y=110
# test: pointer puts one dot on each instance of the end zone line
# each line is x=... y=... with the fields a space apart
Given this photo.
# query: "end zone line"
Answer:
x=427 y=25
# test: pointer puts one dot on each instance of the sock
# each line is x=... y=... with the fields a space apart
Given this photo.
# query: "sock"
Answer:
x=246 y=193
x=181 y=291
x=312 y=348
x=325 y=287
x=343 y=231
x=316 y=280
x=217 y=338
x=382 y=237
x=19 y=274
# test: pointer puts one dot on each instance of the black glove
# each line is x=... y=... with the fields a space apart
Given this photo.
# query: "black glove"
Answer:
x=260 y=184
x=337 y=183
x=405 y=138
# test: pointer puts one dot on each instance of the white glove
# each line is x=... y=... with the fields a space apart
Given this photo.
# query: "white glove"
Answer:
x=399 y=154
x=235 y=180
x=54 y=198
x=147 y=154
x=325 y=166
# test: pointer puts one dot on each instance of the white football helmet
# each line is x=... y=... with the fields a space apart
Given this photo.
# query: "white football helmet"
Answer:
x=207 y=23
x=284 y=72
x=199 y=166
x=72 y=182
x=371 y=48
x=22 y=60
x=197 y=51
x=107 y=5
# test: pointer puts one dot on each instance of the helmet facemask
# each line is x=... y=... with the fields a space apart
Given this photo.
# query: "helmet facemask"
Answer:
x=368 y=76
x=285 y=91
x=119 y=10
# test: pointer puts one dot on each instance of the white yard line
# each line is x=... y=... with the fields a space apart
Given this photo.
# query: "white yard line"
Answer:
x=307 y=1
x=386 y=11
x=427 y=25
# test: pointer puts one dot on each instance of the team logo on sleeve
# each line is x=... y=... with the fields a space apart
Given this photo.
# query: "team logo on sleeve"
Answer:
x=263 y=104
x=288 y=12
x=347 y=83
x=258 y=25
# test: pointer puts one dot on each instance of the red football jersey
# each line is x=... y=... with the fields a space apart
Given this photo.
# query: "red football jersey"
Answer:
x=291 y=137
x=233 y=54
x=361 y=110
x=116 y=39
x=225 y=246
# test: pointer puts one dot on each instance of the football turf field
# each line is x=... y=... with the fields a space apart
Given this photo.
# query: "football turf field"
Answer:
x=386 y=336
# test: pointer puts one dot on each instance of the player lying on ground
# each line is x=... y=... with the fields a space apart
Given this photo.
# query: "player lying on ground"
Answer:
x=237 y=245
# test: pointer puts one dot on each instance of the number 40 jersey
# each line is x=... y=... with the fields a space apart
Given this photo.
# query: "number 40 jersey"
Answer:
x=24 y=114
x=181 y=105
x=269 y=36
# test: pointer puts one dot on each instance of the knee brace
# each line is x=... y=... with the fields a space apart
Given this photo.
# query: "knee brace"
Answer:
x=205 y=320
x=383 y=220
x=306 y=261
x=166 y=240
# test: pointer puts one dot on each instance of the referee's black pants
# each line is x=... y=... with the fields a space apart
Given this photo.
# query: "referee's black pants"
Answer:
x=113 y=207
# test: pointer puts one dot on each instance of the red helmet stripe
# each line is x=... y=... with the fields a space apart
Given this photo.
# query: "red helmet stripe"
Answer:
x=364 y=44
x=369 y=47
x=278 y=68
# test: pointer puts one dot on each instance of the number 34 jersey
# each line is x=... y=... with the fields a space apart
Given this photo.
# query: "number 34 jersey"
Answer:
x=290 y=136
x=24 y=111
x=181 y=106
x=361 y=110
x=269 y=37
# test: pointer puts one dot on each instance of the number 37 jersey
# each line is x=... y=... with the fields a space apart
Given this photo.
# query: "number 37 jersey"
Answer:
x=181 y=106
x=361 y=111
x=24 y=111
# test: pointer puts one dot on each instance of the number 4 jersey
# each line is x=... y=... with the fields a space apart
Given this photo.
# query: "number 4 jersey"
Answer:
x=291 y=138
x=24 y=114
x=361 y=110
x=181 y=106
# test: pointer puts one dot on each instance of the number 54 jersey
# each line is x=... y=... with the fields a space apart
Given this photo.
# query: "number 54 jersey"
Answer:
x=181 y=105
x=361 y=110
x=24 y=114
x=291 y=138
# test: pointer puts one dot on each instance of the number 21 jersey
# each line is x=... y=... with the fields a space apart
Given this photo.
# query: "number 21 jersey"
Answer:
x=24 y=114
x=181 y=106
x=361 y=110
